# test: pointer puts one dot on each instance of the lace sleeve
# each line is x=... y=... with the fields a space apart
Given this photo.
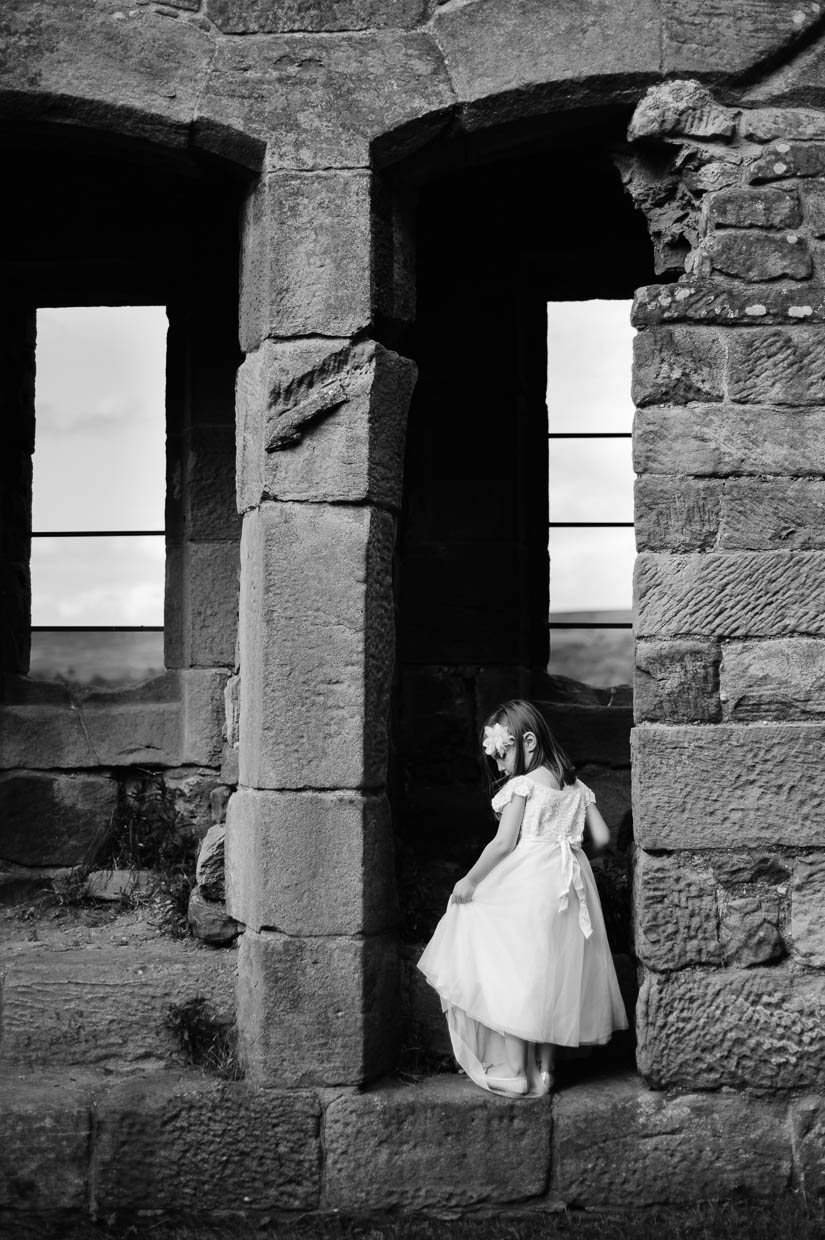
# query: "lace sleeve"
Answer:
x=589 y=797
x=518 y=787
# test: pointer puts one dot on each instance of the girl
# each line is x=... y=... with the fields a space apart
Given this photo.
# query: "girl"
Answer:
x=520 y=958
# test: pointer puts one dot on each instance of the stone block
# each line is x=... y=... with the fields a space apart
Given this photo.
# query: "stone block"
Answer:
x=807 y=903
x=813 y=205
x=702 y=788
x=323 y=421
x=788 y=159
x=591 y=733
x=677 y=682
x=115 y=886
x=751 y=1028
x=45 y=1133
x=765 y=124
x=208 y=483
x=776 y=365
x=210 y=604
x=675 y=914
x=442 y=1143
x=316 y=646
x=727 y=594
x=203 y=1149
x=680 y=108
x=677 y=366
x=263 y=17
x=773 y=679
x=620 y=1145
x=48 y=819
x=732 y=870
x=305 y=262
x=807 y=1124
x=425 y=1028
x=311 y=862
x=106 y=1006
x=753 y=256
x=698 y=38
x=727 y=439
x=320 y=1011
x=711 y=301
x=44 y=737
x=210 y=865
x=738 y=207
x=203 y=715
x=676 y=514
x=209 y=921
x=750 y=930
x=769 y=513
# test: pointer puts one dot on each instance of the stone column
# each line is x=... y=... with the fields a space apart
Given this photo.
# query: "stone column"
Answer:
x=321 y=419
x=730 y=450
x=17 y=333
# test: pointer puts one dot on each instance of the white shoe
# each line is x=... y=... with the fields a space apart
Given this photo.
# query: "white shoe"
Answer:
x=508 y=1084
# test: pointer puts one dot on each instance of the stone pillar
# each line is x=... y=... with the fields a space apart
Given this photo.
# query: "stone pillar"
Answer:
x=17 y=341
x=321 y=420
x=730 y=709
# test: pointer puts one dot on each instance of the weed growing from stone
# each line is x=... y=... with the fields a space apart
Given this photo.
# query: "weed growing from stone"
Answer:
x=207 y=1041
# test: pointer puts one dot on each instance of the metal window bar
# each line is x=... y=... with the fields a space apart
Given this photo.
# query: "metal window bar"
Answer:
x=97 y=628
x=97 y=533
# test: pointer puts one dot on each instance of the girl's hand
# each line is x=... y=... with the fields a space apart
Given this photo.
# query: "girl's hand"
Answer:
x=463 y=891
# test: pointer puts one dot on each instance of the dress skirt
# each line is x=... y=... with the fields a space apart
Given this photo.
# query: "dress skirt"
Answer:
x=527 y=956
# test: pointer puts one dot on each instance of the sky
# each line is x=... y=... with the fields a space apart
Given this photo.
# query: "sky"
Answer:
x=100 y=445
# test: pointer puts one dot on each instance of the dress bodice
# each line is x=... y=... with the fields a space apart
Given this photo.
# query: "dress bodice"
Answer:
x=550 y=813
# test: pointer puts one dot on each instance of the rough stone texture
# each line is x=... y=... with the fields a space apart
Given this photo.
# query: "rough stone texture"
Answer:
x=618 y=1144
x=260 y=16
x=732 y=870
x=69 y=812
x=677 y=682
x=675 y=914
x=699 y=787
x=813 y=203
x=322 y=421
x=45 y=1128
x=764 y=124
x=703 y=36
x=676 y=514
x=201 y=1148
x=424 y=1026
x=316 y=646
x=210 y=603
x=680 y=108
x=750 y=932
x=807 y=904
x=105 y=1006
x=773 y=679
x=715 y=302
x=440 y=1144
x=784 y=366
x=316 y=281
x=209 y=920
x=753 y=256
x=788 y=159
x=207 y=484
x=210 y=866
x=311 y=862
x=760 y=1028
x=317 y=1011
x=769 y=513
x=752 y=208
x=725 y=439
x=807 y=1124
x=677 y=366
x=722 y=594
x=112 y=886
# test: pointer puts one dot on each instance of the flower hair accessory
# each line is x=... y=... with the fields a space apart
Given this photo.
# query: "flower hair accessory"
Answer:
x=497 y=740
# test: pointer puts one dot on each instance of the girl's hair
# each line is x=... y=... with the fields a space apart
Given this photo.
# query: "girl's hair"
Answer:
x=519 y=717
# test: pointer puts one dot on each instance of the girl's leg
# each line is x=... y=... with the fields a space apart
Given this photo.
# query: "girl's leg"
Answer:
x=515 y=1055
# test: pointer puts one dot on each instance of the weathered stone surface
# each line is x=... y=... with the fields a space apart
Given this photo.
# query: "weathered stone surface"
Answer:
x=699 y=787
x=788 y=159
x=210 y=866
x=262 y=16
x=45 y=1130
x=727 y=594
x=710 y=301
x=807 y=904
x=676 y=514
x=442 y=1143
x=732 y=870
x=209 y=920
x=157 y=1138
x=203 y=714
x=424 y=1026
x=807 y=1124
x=106 y=1006
x=765 y=124
x=677 y=682
x=768 y=513
x=619 y=1144
x=813 y=204
x=316 y=646
x=680 y=108
x=773 y=679
x=311 y=862
x=677 y=366
x=756 y=1027
x=208 y=484
x=210 y=603
x=725 y=439
x=53 y=819
x=111 y=886
x=316 y=279
x=323 y=421
x=753 y=256
x=699 y=36
x=750 y=932
x=592 y=733
x=675 y=914
x=767 y=207
x=785 y=366
x=320 y=1011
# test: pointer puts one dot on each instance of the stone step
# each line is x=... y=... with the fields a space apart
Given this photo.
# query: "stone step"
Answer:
x=106 y=1005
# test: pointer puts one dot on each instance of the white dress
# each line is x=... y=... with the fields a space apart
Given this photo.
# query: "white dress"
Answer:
x=528 y=955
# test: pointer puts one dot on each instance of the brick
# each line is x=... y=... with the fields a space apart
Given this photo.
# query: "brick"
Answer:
x=70 y=811
x=711 y=301
x=675 y=914
x=678 y=514
x=774 y=679
x=813 y=205
x=677 y=366
x=738 y=207
x=750 y=930
x=727 y=439
x=753 y=256
x=703 y=788
x=311 y=863
x=677 y=682
x=317 y=1011
x=618 y=1144
x=765 y=124
x=753 y=1028
x=769 y=513
x=440 y=1144
x=784 y=366
x=316 y=646
x=45 y=1133
x=807 y=896
x=730 y=594
x=788 y=159
x=156 y=1139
